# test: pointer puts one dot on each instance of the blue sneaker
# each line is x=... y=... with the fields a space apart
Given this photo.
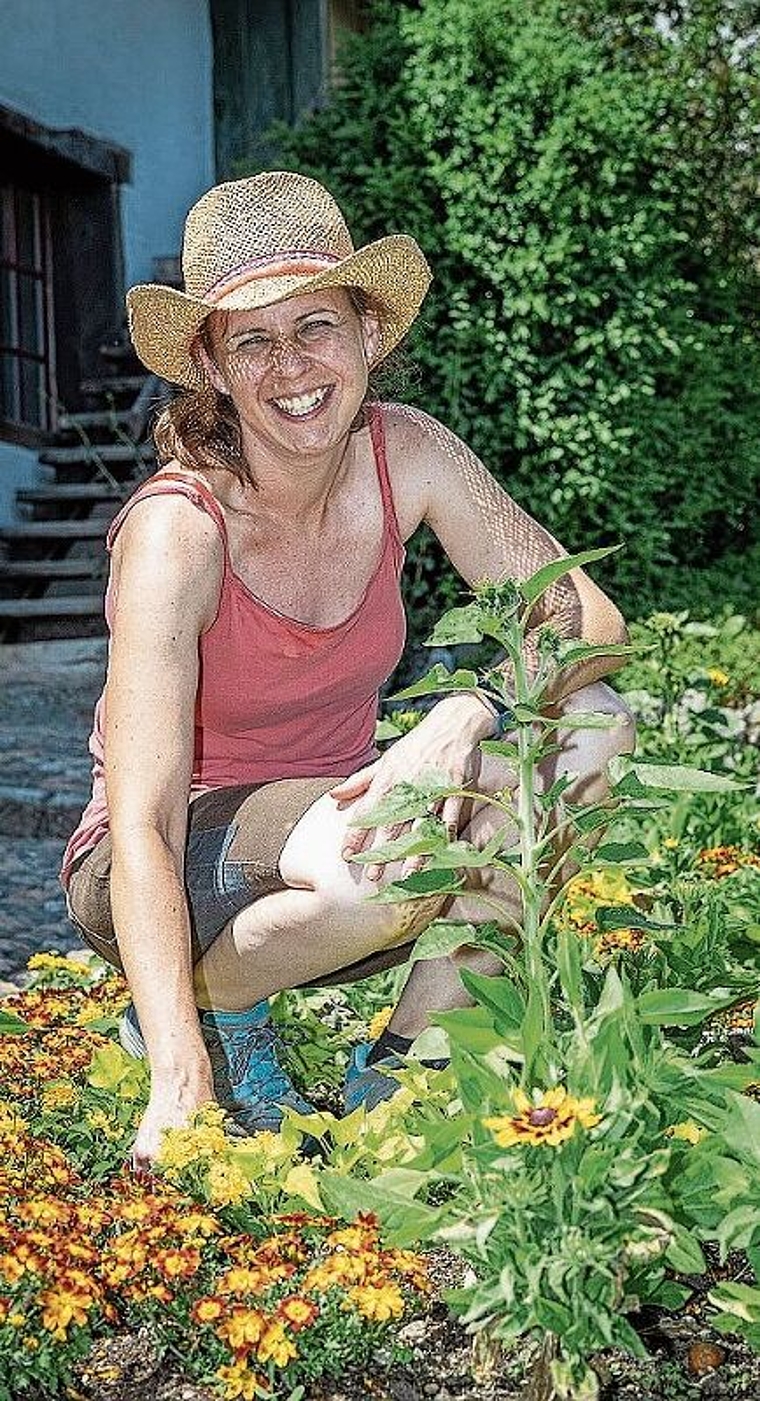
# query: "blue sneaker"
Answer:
x=366 y=1084
x=249 y=1082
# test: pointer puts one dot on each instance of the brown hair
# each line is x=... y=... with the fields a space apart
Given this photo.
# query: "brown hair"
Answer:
x=200 y=427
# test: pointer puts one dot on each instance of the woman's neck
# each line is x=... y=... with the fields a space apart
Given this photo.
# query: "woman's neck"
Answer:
x=284 y=490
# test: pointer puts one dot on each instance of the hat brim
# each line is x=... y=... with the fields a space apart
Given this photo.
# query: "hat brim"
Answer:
x=164 y=322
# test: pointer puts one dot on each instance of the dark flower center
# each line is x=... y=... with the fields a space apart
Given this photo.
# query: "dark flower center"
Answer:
x=540 y=1118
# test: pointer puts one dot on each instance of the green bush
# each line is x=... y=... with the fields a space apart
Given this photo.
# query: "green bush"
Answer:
x=578 y=177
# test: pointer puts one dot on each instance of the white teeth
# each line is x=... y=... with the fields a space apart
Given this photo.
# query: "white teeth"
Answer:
x=303 y=404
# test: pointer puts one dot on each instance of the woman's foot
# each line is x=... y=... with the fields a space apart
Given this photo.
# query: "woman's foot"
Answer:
x=249 y=1082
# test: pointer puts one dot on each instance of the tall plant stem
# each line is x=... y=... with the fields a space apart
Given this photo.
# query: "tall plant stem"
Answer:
x=530 y=886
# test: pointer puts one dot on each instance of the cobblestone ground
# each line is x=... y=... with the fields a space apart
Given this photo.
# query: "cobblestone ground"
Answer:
x=47 y=694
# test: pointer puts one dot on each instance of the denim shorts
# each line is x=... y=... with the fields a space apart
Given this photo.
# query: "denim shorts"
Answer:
x=235 y=837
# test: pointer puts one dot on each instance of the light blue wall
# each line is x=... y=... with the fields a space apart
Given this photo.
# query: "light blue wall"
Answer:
x=19 y=468
x=134 y=72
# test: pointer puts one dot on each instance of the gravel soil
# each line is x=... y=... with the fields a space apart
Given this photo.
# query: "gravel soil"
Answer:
x=687 y=1362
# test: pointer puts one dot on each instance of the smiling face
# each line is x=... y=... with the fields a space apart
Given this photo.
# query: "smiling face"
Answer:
x=296 y=372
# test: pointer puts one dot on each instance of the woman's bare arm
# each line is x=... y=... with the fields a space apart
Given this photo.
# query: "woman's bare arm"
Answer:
x=167 y=576
x=486 y=535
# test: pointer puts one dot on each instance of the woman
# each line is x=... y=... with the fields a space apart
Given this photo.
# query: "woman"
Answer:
x=254 y=611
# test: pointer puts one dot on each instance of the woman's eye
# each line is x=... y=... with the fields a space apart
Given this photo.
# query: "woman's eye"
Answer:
x=316 y=328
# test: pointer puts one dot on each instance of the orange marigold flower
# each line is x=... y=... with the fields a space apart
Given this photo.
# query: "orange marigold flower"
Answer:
x=178 y=1264
x=724 y=860
x=298 y=1311
x=207 y=1310
x=550 y=1118
x=376 y=1302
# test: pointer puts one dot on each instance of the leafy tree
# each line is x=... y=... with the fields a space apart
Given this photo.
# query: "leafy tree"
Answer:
x=580 y=176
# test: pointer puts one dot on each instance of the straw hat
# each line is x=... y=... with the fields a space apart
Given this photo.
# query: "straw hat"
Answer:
x=250 y=243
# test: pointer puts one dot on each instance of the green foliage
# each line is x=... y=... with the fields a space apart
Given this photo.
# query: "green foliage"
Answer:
x=578 y=178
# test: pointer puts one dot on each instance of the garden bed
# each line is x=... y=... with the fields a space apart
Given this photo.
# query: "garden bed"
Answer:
x=626 y=1185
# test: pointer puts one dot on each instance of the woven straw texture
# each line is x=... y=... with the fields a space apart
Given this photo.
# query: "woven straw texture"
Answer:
x=253 y=242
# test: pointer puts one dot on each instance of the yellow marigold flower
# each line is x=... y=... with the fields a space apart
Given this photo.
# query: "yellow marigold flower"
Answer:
x=550 y=1118
x=242 y=1279
x=182 y=1147
x=379 y=1022
x=242 y=1328
x=60 y=1095
x=178 y=1264
x=378 y=1302
x=688 y=1131
x=239 y=1382
x=628 y=940
x=12 y=1268
x=671 y=843
x=717 y=676
x=226 y=1184
x=61 y=1308
x=275 y=1345
x=10 y=1119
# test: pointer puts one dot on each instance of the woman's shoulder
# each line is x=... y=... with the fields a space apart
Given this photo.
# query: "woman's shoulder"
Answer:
x=177 y=509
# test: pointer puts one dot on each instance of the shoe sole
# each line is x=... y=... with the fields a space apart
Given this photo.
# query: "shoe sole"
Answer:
x=130 y=1039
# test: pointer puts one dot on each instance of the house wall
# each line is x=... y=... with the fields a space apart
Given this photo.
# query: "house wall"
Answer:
x=137 y=73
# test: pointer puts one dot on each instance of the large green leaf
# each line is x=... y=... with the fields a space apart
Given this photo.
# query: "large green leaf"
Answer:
x=11 y=1025
x=681 y=1006
x=405 y=801
x=469 y=624
x=679 y=778
x=390 y=1197
x=441 y=938
x=438 y=679
x=609 y=917
x=498 y=994
x=532 y=588
x=419 y=884
x=616 y=853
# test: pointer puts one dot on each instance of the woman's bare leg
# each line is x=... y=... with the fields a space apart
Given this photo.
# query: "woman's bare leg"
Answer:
x=325 y=920
x=435 y=985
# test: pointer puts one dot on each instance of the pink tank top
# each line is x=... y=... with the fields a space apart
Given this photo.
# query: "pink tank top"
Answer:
x=276 y=698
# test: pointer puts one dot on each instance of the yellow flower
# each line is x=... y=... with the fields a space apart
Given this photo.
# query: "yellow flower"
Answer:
x=242 y=1328
x=239 y=1382
x=61 y=1094
x=671 y=843
x=688 y=1131
x=205 y=1139
x=718 y=677
x=550 y=1118
x=630 y=940
x=379 y=1022
x=10 y=1119
x=226 y=1184
x=276 y=1346
x=378 y=1302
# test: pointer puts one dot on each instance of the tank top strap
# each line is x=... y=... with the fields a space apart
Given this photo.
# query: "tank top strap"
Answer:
x=173 y=484
x=377 y=435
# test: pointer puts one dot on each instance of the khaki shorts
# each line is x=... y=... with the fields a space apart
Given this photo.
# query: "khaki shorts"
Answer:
x=235 y=838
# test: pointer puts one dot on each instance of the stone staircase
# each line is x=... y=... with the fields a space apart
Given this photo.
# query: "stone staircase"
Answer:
x=53 y=561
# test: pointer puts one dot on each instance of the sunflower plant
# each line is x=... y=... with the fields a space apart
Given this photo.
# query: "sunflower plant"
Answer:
x=567 y=1071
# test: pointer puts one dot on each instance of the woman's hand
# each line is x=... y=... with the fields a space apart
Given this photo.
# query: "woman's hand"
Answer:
x=446 y=743
x=172 y=1104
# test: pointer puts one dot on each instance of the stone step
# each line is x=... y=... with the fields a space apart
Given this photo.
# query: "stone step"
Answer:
x=107 y=453
x=110 y=419
x=114 y=384
x=67 y=493
x=54 y=530
x=46 y=570
x=55 y=606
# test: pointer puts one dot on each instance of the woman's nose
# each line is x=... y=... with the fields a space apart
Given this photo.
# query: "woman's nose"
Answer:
x=286 y=356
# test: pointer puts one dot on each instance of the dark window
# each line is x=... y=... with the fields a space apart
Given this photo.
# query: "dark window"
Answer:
x=27 y=363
